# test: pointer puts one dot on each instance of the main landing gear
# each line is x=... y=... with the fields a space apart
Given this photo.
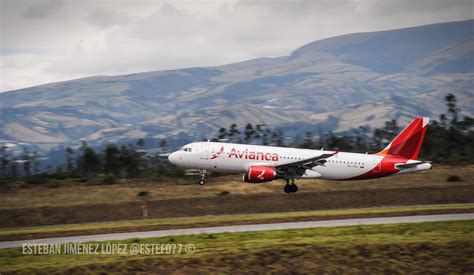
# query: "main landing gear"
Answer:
x=290 y=187
x=203 y=173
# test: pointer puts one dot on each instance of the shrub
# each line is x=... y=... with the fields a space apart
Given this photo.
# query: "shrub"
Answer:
x=59 y=176
x=224 y=193
x=142 y=193
x=53 y=184
x=36 y=180
x=109 y=179
x=453 y=178
x=16 y=184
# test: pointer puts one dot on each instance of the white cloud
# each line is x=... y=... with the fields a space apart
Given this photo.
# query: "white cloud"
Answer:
x=54 y=40
x=21 y=70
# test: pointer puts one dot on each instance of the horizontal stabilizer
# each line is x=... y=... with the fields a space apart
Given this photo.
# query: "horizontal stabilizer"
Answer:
x=410 y=165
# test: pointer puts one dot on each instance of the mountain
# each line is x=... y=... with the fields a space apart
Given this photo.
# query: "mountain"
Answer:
x=336 y=83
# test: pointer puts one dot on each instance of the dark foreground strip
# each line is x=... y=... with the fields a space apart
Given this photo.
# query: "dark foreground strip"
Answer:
x=242 y=228
x=237 y=204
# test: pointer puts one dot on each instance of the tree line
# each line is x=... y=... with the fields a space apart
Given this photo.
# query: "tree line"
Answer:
x=119 y=161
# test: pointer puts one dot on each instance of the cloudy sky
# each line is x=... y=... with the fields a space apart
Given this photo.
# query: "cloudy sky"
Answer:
x=52 y=40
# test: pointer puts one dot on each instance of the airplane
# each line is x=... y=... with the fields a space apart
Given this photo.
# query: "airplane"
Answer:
x=260 y=164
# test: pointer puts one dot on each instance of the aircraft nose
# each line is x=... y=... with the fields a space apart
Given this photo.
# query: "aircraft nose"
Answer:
x=173 y=158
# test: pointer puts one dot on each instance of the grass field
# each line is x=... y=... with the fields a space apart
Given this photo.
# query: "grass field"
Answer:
x=436 y=247
x=74 y=193
x=81 y=203
x=39 y=232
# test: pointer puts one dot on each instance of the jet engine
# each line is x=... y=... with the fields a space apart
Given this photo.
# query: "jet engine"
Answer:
x=257 y=174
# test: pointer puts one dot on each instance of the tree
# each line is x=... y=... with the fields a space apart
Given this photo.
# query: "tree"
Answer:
x=70 y=164
x=222 y=133
x=262 y=133
x=333 y=142
x=13 y=168
x=361 y=138
x=382 y=137
x=443 y=120
x=249 y=133
x=450 y=140
x=266 y=134
x=26 y=159
x=130 y=160
x=34 y=160
x=90 y=160
x=163 y=145
x=141 y=143
x=4 y=160
x=258 y=131
x=391 y=129
x=378 y=139
x=112 y=159
x=308 y=142
x=452 y=108
x=233 y=132
x=277 y=138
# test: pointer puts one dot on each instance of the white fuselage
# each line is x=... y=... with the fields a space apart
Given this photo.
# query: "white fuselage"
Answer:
x=237 y=158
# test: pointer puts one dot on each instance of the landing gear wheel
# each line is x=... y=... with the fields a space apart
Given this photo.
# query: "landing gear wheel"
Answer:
x=203 y=173
x=290 y=187
x=294 y=188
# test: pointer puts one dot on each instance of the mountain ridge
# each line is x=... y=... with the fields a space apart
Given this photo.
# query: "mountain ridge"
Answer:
x=362 y=78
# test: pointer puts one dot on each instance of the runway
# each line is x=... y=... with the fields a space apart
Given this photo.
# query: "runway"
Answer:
x=240 y=228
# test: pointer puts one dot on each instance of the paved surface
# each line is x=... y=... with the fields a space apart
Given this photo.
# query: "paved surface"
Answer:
x=241 y=228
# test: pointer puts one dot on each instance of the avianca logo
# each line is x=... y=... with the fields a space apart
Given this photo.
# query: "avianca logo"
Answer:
x=216 y=155
x=246 y=154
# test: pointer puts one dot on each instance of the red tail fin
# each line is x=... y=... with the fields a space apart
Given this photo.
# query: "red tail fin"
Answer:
x=408 y=143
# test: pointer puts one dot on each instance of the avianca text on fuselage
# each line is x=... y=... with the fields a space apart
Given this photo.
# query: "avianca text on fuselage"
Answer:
x=251 y=155
x=267 y=163
x=246 y=154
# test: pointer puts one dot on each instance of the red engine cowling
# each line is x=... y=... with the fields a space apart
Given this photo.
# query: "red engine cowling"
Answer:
x=257 y=174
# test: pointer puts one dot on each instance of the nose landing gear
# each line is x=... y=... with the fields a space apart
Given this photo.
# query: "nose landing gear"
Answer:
x=290 y=187
x=203 y=173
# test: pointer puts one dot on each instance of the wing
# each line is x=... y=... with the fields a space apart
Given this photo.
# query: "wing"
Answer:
x=298 y=168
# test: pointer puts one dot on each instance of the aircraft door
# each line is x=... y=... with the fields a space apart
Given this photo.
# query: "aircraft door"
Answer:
x=205 y=151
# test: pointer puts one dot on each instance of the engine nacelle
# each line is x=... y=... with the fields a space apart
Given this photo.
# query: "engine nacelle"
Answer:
x=257 y=174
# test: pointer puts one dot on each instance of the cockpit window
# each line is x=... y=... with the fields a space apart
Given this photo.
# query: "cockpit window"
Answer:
x=186 y=149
